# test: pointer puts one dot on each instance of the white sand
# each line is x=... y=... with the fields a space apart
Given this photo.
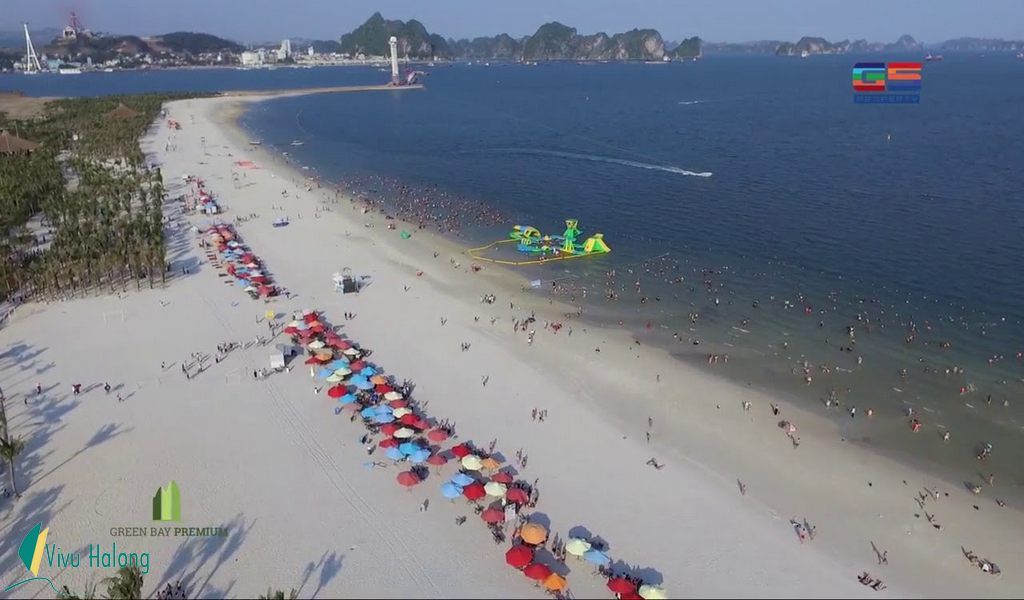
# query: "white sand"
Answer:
x=271 y=460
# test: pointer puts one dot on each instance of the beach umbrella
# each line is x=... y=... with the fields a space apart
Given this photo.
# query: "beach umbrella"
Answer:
x=474 y=491
x=398 y=403
x=389 y=429
x=362 y=384
x=501 y=477
x=382 y=410
x=394 y=454
x=393 y=396
x=471 y=462
x=462 y=480
x=312 y=360
x=493 y=515
x=621 y=585
x=420 y=456
x=408 y=478
x=401 y=412
x=410 y=419
x=495 y=489
x=519 y=556
x=577 y=547
x=554 y=582
x=337 y=391
x=383 y=418
x=436 y=459
x=388 y=443
x=652 y=592
x=630 y=596
x=407 y=448
x=347 y=399
x=351 y=351
x=533 y=533
x=316 y=345
x=450 y=490
x=339 y=363
x=537 y=572
x=461 y=450
x=358 y=365
x=490 y=464
x=381 y=388
x=517 y=495
x=437 y=435
x=342 y=371
x=596 y=557
x=379 y=380
x=404 y=432
x=341 y=344
x=335 y=378
x=368 y=372
x=369 y=412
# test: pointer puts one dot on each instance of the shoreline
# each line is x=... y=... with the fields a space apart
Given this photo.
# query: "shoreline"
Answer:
x=813 y=425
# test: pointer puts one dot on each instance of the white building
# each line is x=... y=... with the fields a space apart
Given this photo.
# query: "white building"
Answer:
x=310 y=51
x=251 y=59
x=285 y=51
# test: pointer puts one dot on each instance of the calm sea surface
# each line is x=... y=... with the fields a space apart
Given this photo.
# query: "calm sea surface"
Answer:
x=903 y=222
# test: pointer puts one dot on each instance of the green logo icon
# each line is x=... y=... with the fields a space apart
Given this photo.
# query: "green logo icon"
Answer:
x=167 y=503
x=31 y=554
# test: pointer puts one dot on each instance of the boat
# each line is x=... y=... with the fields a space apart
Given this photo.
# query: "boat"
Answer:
x=804 y=54
x=69 y=70
x=933 y=57
x=297 y=143
x=1020 y=55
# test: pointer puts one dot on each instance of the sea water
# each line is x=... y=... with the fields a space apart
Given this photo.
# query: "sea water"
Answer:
x=763 y=214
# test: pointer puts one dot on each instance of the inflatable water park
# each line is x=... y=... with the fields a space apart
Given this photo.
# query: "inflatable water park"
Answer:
x=540 y=248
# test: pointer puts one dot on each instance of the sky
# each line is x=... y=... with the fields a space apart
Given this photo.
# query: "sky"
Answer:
x=712 y=20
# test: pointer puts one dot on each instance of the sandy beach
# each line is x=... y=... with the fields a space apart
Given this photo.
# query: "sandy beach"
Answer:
x=270 y=460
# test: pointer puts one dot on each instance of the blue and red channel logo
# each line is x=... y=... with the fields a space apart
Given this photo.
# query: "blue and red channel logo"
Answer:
x=887 y=83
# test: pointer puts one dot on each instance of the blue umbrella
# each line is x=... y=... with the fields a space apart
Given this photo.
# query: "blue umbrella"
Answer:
x=450 y=490
x=363 y=384
x=408 y=448
x=419 y=456
x=368 y=372
x=347 y=399
x=461 y=479
x=368 y=413
x=325 y=373
x=381 y=409
x=383 y=418
x=394 y=454
x=597 y=557
x=338 y=364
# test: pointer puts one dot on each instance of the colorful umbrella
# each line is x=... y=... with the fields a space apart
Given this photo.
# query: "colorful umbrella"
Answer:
x=380 y=388
x=461 y=450
x=337 y=391
x=324 y=373
x=554 y=582
x=596 y=556
x=474 y=491
x=437 y=460
x=517 y=495
x=342 y=371
x=404 y=432
x=389 y=429
x=410 y=419
x=438 y=435
x=368 y=371
x=394 y=454
x=335 y=378
x=407 y=448
x=490 y=464
x=420 y=456
x=652 y=592
x=389 y=443
x=533 y=533
x=577 y=547
x=493 y=515
x=501 y=477
x=462 y=480
x=537 y=572
x=401 y=412
x=495 y=489
x=621 y=585
x=316 y=345
x=396 y=402
x=383 y=418
x=450 y=490
x=408 y=478
x=347 y=399
x=312 y=360
x=471 y=462
x=393 y=396
x=519 y=556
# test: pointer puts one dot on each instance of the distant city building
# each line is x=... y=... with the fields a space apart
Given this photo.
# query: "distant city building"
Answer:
x=285 y=51
x=310 y=51
x=251 y=59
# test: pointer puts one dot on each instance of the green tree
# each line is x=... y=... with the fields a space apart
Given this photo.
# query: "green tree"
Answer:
x=126 y=585
x=279 y=595
x=10 y=448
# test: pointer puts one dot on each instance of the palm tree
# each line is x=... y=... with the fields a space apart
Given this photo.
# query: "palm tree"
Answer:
x=279 y=595
x=126 y=585
x=88 y=594
x=10 y=448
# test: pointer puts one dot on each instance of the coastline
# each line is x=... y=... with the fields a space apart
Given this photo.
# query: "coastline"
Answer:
x=815 y=428
x=259 y=443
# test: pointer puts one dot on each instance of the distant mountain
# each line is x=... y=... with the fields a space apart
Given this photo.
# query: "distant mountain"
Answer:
x=501 y=47
x=811 y=45
x=371 y=39
x=758 y=47
x=186 y=42
x=968 y=44
x=688 y=48
x=555 y=41
x=106 y=47
x=15 y=39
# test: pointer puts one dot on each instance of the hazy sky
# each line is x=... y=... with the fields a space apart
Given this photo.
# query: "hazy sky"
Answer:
x=714 y=20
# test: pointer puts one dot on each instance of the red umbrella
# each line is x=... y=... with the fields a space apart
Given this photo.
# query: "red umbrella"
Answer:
x=389 y=429
x=631 y=596
x=461 y=450
x=359 y=365
x=309 y=317
x=493 y=515
x=502 y=477
x=436 y=459
x=475 y=491
x=437 y=435
x=389 y=443
x=519 y=556
x=324 y=358
x=408 y=478
x=337 y=391
x=312 y=360
x=381 y=388
x=517 y=495
x=398 y=403
x=409 y=419
x=621 y=585
x=341 y=344
x=291 y=330
x=537 y=572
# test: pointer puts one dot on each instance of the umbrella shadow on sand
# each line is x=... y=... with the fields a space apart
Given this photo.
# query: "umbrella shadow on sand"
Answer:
x=329 y=566
x=646 y=574
x=197 y=553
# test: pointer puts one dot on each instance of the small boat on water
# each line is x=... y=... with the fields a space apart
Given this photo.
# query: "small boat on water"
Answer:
x=297 y=142
x=804 y=54
x=69 y=70
x=933 y=57
x=255 y=143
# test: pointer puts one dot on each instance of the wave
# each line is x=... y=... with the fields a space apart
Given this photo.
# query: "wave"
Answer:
x=605 y=159
x=689 y=102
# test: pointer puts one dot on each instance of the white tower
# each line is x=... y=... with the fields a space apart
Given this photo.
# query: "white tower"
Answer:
x=393 y=42
x=31 y=60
